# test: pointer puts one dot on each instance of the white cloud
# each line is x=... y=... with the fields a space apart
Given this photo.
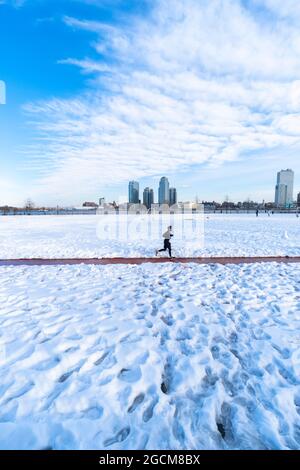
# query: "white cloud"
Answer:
x=197 y=82
x=87 y=65
x=289 y=9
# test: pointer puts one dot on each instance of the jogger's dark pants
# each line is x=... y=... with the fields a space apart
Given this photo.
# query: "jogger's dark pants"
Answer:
x=167 y=246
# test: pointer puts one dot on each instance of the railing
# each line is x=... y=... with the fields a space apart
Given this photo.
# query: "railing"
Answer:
x=93 y=211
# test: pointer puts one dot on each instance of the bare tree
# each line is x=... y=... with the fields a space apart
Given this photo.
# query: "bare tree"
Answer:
x=5 y=210
x=248 y=204
x=29 y=205
x=226 y=202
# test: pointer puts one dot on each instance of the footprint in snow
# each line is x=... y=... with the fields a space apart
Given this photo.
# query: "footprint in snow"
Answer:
x=148 y=413
x=93 y=413
x=215 y=351
x=68 y=374
x=224 y=423
x=119 y=437
x=136 y=402
x=167 y=378
x=130 y=375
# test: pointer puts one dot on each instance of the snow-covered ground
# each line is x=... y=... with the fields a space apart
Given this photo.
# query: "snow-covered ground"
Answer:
x=78 y=236
x=171 y=356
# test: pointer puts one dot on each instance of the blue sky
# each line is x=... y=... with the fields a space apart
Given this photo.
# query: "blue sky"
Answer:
x=103 y=91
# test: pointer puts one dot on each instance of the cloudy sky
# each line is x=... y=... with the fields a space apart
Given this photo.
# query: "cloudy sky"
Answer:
x=206 y=92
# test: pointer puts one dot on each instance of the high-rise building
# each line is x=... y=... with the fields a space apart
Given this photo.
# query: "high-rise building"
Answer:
x=148 y=197
x=164 y=191
x=133 y=192
x=173 y=196
x=284 y=188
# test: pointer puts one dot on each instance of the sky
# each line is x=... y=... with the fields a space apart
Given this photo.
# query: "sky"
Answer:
x=99 y=92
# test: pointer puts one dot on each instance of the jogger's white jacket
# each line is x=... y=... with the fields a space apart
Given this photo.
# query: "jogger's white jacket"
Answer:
x=168 y=235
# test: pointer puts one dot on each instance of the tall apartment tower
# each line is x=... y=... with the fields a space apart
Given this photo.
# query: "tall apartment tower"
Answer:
x=148 y=197
x=164 y=191
x=133 y=192
x=173 y=196
x=284 y=188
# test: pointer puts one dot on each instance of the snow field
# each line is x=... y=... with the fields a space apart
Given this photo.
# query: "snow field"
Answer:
x=151 y=357
x=76 y=237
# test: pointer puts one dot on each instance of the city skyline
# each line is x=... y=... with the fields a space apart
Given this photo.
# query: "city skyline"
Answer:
x=84 y=110
x=284 y=193
x=166 y=194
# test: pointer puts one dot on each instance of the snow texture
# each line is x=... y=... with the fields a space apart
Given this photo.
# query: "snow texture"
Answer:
x=149 y=357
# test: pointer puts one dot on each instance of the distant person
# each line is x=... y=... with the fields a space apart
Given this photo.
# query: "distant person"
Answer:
x=167 y=244
x=256 y=212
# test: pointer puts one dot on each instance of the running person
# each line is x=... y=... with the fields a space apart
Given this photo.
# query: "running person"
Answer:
x=167 y=244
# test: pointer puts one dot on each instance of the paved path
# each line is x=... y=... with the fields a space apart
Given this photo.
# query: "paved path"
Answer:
x=104 y=261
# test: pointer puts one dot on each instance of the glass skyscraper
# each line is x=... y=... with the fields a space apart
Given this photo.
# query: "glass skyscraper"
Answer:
x=148 y=197
x=173 y=196
x=164 y=191
x=133 y=192
x=284 y=188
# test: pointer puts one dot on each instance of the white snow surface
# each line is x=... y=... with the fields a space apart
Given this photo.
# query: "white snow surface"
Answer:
x=150 y=357
x=76 y=236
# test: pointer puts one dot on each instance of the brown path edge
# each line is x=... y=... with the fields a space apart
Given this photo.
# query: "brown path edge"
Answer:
x=106 y=261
